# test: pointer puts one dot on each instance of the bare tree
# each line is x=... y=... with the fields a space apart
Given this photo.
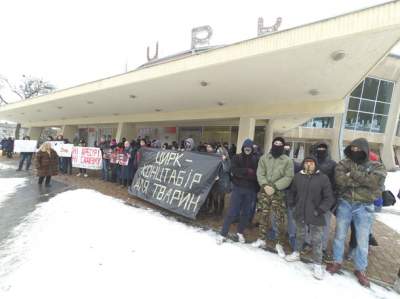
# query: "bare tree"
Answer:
x=29 y=88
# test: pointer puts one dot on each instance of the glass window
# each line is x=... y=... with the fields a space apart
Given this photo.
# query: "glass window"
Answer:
x=351 y=120
x=385 y=91
x=370 y=88
x=357 y=91
x=364 y=122
x=367 y=106
x=382 y=108
x=379 y=123
x=354 y=104
x=319 y=122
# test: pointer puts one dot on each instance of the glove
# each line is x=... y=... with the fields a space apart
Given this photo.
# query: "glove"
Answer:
x=269 y=190
x=378 y=202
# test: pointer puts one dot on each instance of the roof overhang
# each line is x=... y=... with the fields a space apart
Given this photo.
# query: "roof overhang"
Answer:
x=287 y=73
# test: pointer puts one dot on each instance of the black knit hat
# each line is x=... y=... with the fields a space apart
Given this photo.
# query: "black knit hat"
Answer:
x=279 y=139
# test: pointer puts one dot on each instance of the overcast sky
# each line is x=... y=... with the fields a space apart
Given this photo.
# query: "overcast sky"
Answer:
x=69 y=42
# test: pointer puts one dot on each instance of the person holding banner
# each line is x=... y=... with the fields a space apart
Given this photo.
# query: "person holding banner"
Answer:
x=244 y=191
x=82 y=143
x=126 y=163
x=46 y=163
x=67 y=169
x=25 y=156
x=105 y=153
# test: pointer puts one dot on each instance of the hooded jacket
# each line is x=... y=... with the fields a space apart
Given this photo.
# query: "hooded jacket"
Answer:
x=311 y=195
x=275 y=172
x=363 y=182
x=189 y=144
x=244 y=168
x=326 y=165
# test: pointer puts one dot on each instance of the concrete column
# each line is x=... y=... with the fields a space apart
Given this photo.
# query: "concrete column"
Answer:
x=335 y=146
x=34 y=132
x=269 y=136
x=69 y=132
x=127 y=130
x=387 y=152
x=246 y=130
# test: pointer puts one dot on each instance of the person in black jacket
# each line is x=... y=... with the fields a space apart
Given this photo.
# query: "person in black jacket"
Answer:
x=244 y=191
x=327 y=166
x=311 y=195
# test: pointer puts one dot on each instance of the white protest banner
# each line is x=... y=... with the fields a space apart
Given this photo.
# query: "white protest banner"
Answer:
x=86 y=157
x=25 y=146
x=62 y=149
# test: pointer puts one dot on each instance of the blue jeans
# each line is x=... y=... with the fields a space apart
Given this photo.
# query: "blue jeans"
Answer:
x=28 y=158
x=241 y=205
x=104 y=170
x=362 y=216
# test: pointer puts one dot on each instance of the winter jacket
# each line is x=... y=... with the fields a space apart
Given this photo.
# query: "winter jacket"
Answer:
x=326 y=165
x=275 y=172
x=127 y=171
x=362 y=182
x=46 y=165
x=223 y=184
x=312 y=196
x=244 y=170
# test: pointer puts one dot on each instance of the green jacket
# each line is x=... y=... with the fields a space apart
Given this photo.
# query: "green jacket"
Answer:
x=362 y=182
x=277 y=173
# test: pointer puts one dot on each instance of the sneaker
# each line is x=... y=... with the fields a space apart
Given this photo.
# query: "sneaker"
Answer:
x=318 y=272
x=241 y=238
x=362 y=278
x=293 y=257
x=220 y=239
x=258 y=244
x=333 y=268
x=79 y=174
x=85 y=175
x=279 y=249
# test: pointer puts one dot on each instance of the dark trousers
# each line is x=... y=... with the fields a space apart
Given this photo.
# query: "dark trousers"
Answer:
x=67 y=165
x=82 y=170
x=241 y=205
x=47 y=182
x=28 y=158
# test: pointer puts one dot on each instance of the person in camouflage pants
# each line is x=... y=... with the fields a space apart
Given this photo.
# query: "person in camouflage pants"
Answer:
x=268 y=205
x=274 y=174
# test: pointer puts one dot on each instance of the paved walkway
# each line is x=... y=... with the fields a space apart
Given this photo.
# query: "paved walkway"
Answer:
x=384 y=260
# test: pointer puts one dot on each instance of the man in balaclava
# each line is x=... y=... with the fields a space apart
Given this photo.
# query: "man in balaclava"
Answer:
x=358 y=183
x=244 y=191
x=274 y=173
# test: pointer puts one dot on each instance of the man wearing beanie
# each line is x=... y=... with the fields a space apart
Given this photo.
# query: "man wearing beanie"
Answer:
x=359 y=182
x=244 y=191
x=274 y=174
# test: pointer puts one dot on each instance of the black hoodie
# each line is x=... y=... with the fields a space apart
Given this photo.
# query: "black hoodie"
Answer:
x=244 y=169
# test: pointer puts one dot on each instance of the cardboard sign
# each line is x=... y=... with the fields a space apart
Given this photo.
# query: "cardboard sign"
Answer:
x=62 y=149
x=119 y=158
x=25 y=146
x=86 y=157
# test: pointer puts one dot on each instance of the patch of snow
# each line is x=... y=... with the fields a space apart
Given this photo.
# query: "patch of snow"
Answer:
x=82 y=244
x=8 y=186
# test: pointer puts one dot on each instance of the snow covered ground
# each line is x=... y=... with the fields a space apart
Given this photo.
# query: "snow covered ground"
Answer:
x=82 y=244
x=8 y=187
x=391 y=215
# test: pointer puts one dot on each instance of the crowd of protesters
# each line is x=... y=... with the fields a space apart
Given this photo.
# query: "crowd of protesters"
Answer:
x=269 y=190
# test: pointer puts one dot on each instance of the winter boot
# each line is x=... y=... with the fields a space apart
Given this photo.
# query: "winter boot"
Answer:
x=318 y=272
x=362 y=278
x=333 y=268
x=293 y=257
